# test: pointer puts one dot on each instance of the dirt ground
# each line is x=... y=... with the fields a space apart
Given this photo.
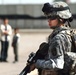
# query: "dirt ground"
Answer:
x=29 y=42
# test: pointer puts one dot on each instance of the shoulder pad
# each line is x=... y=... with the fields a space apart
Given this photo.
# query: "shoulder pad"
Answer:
x=68 y=32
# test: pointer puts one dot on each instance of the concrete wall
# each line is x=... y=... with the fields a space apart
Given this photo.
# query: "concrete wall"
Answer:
x=32 y=10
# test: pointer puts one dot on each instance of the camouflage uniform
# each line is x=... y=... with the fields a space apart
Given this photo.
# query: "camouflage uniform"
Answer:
x=59 y=44
x=72 y=55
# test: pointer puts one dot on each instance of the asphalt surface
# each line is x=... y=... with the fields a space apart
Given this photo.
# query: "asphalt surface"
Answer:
x=29 y=42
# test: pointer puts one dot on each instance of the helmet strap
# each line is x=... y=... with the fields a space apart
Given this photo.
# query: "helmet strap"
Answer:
x=61 y=21
x=68 y=23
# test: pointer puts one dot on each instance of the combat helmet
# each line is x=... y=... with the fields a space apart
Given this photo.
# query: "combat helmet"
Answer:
x=60 y=9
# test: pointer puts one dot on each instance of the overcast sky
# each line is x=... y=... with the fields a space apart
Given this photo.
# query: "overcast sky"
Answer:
x=73 y=1
x=24 y=1
x=28 y=1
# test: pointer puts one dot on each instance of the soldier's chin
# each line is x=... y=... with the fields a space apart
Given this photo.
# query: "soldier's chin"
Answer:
x=53 y=27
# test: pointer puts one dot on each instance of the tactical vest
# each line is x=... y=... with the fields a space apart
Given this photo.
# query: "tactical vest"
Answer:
x=73 y=38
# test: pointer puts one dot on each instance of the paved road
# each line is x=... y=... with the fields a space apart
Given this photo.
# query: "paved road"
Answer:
x=30 y=41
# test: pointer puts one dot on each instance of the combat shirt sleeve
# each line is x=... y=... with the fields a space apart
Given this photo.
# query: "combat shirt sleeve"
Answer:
x=56 y=57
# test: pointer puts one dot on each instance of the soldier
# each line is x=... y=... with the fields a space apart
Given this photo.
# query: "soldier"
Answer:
x=59 y=41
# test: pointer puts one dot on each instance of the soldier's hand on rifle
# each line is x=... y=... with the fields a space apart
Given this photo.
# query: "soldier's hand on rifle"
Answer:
x=27 y=63
x=32 y=67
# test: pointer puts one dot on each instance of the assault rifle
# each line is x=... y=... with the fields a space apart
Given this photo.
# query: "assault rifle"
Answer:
x=40 y=54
